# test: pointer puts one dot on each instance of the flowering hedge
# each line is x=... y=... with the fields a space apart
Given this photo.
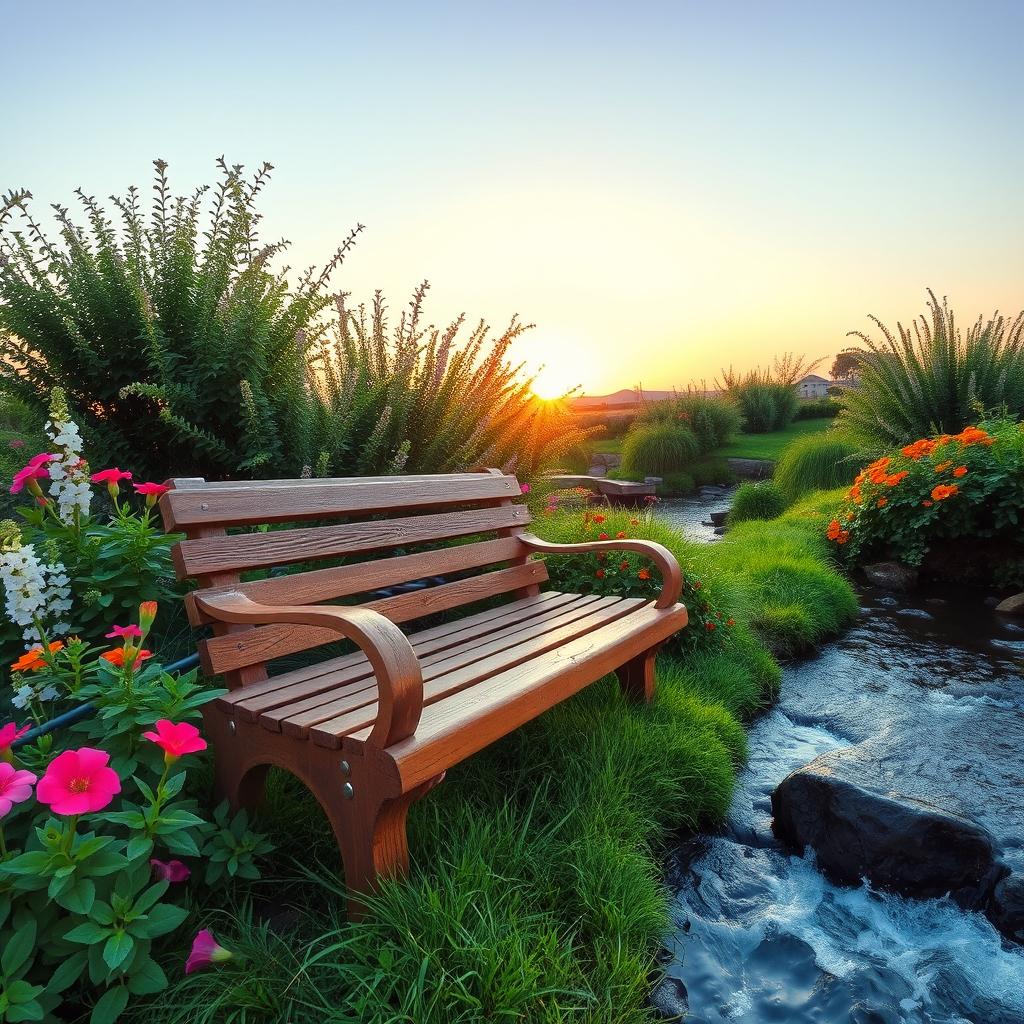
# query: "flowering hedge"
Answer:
x=66 y=569
x=938 y=488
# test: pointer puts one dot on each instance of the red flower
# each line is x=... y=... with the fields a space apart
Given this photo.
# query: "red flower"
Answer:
x=170 y=870
x=599 y=574
x=205 y=951
x=131 y=632
x=602 y=536
x=110 y=477
x=598 y=518
x=623 y=566
x=710 y=626
x=730 y=622
x=176 y=739
x=960 y=471
x=153 y=491
x=9 y=733
x=120 y=656
x=644 y=574
x=30 y=475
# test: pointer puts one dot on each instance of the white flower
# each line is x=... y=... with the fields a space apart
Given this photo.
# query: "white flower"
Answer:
x=49 y=693
x=69 y=472
x=34 y=590
x=22 y=697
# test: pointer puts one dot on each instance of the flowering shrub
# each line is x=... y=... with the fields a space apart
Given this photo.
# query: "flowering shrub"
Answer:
x=937 y=488
x=625 y=574
x=93 y=825
x=65 y=569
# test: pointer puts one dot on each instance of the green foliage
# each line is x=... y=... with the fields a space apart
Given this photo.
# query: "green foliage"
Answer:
x=183 y=350
x=609 y=424
x=933 y=378
x=818 y=409
x=756 y=501
x=933 y=491
x=711 y=469
x=816 y=462
x=653 y=449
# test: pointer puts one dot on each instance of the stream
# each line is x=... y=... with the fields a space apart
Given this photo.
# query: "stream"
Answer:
x=760 y=935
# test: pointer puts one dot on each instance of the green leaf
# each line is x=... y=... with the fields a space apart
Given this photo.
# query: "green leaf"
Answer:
x=139 y=846
x=22 y=991
x=67 y=973
x=80 y=897
x=147 y=977
x=18 y=948
x=163 y=918
x=25 y=1011
x=150 y=897
x=88 y=932
x=117 y=949
x=110 y=1006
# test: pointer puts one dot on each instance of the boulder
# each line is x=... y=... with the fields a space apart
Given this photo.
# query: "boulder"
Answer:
x=892 y=576
x=669 y=999
x=1007 y=906
x=1012 y=605
x=718 y=518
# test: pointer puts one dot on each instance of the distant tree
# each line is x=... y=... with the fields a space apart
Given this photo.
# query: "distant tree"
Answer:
x=846 y=366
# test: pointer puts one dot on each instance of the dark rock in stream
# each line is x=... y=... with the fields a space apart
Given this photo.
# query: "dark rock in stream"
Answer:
x=891 y=576
x=718 y=518
x=669 y=1000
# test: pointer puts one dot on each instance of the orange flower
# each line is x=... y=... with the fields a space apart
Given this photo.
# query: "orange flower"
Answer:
x=730 y=622
x=599 y=574
x=927 y=503
x=850 y=516
x=116 y=656
x=943 y=491
x=960 y=471
x=602 y=536
x=892 y=481
x=973 y=435
x=598 y=518
x=844 y=536
x=644 y=574
x=943 y=466
x=834 y=529
x=623 y=566
x=918 y=449
x=882 y=502
x=621 y=535
x=32 y=660
x=634 y=522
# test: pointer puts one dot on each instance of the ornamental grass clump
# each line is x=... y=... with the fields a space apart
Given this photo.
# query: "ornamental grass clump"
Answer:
x=654 y=449
x=935 y=489
x=756 y=501
x=766 y=398
x=933 y=378
x=817 y=462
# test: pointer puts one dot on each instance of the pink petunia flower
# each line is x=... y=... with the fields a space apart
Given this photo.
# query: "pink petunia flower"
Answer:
x=131 y=632
x=9 y=733
x=170 y=870
x=176 y=739
x=16 y=443
x=205 y=951
x=110 y=477
x=30 y=475
x=525 y=488
x=15 y=786
x=78 y=782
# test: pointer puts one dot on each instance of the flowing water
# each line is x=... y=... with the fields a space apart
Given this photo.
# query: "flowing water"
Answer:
x=760 y=935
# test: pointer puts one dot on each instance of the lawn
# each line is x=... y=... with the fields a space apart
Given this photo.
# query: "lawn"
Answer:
x=769 y=446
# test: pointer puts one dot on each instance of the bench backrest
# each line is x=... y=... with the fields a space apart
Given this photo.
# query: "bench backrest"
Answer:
x=335 y=522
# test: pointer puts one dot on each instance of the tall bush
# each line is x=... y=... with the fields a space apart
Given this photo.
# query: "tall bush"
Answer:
x=712 y=420
x=816 y=462
x=767 y=398
x=658 y=448
x=932 y=378
x=183 y=350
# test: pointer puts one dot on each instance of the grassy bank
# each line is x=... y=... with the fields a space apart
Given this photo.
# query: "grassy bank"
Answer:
x=769 y=446
x=535 y=892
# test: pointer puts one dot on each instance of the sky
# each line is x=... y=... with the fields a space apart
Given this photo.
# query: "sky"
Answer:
x=664 y=189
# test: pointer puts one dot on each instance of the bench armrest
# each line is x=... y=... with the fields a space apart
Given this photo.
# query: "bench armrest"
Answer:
x=664 y=560
x=399 y=678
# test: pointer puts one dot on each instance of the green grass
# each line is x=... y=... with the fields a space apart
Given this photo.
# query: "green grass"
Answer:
x=535 y=893
x=769 y=446
x=816 y=462
x=756 y=501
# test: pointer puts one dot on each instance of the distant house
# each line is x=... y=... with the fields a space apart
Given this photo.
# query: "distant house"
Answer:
x=813 y=386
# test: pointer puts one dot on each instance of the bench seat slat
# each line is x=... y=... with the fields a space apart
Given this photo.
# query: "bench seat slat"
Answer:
x=451 y=730
x=495 y=658
x=242 y=552
x=295 y=716
x=220 y=506
x=267 y=643
x=251 y=701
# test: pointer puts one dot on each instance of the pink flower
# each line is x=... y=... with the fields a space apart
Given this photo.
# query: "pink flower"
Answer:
x=15 y=787
x=205 y=951
x=176 y=740
x=36 y=470
x=78 y=782
x=110 y=477
x=9 y=733
x=170 y=870
x=16 y=443
x=125 y=632
x=525 y=488
x=151 y=492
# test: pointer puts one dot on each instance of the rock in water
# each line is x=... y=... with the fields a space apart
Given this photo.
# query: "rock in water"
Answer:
x=1012 y=605
x=669 y=1000
x=891 y=575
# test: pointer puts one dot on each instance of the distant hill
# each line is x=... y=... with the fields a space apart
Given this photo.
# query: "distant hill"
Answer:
x=623 y=400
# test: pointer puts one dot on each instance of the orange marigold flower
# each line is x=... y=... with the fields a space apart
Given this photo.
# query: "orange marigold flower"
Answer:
x=943 y=466
x=919 y=449
x=881 y=502
x=621 y=535
x=623 y=566
x=634 y=522
x=895 y=478
x=834 y=529
x=116 y=656
x=644 y=574
x=960 y=471
x=730 y=622
x=598 y=518
x=943 y=491
x=32 y=660
x=850 y=516
x=844 y=536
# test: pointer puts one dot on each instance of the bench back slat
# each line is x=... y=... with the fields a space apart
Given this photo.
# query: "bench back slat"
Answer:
x=344 y=519
x=264 y=643
x=275 y=503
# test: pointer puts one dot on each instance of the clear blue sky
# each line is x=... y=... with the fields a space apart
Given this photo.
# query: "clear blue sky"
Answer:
x=663 y=188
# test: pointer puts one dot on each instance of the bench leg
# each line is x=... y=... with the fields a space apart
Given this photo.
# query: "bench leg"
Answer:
x=636 y=677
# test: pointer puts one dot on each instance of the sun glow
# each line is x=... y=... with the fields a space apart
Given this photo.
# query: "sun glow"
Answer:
x=554 y=380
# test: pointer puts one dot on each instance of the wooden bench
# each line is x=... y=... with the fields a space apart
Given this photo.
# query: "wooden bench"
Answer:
x=372 y=731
